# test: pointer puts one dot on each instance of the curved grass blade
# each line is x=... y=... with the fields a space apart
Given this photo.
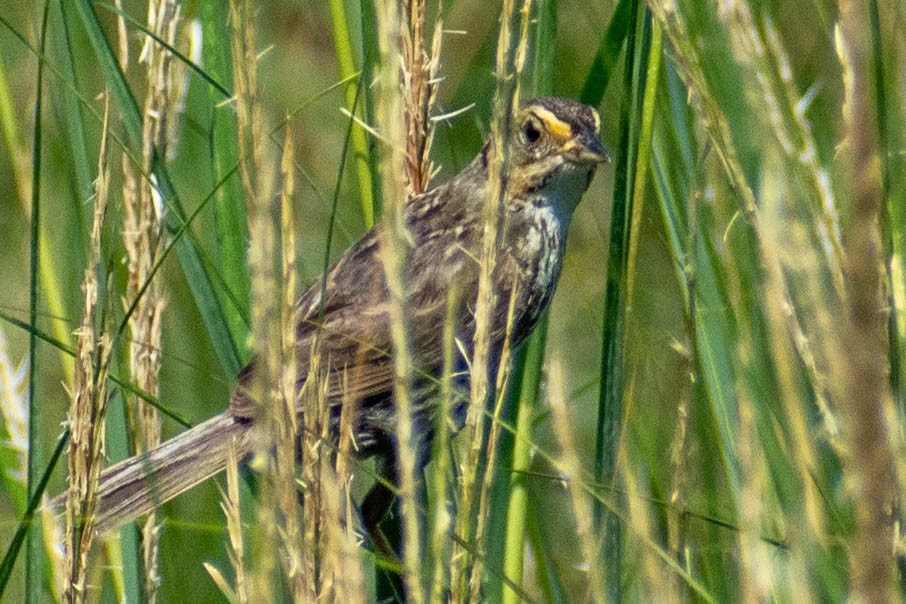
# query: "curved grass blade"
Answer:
x=608 y=52
x=213 y=311
x=61 y=346
x=34 y=501
x=333 y=205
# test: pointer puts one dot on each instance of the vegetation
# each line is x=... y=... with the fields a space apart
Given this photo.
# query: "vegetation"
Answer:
x=713 y=410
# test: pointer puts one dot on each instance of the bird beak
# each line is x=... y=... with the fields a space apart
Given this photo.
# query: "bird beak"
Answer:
x=592 y=151
x=587 y=149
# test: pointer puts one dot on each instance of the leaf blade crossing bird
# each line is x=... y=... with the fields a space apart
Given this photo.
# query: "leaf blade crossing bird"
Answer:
x=554 y=149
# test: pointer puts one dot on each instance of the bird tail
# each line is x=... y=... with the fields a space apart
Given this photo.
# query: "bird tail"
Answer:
x=136 y=486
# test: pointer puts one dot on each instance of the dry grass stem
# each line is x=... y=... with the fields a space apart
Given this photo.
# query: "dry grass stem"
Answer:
x=869 y=472
x=570 y=467
x=143 y=235
x=501 y=372
x=493 y=450
x=755 y=564
x=314 y=401
x=265 y=388
x=420 y=83
x=441 y=524
x=467 y=567
x=87 y=414
x=346 y=558
x=341 y=557
x=344 y=554
x=233 y=514
x=395 y=241
x=252 y=136
x=285 y=414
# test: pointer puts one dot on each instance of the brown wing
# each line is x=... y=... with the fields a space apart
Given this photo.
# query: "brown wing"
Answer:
x=346 y=337
x=351 y=334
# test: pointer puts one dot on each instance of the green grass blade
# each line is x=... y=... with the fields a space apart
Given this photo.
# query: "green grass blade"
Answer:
x=643 y=152
x=893 y=218
x=71 y=108
x=512 y=507
x=610 y=400
x=8 y=114
x=198 y=276
x=70 y=351
x=370 y=62
x=608 y=52
x=364 y=166
x=517 y=508
x=34 y=502
x=51 y=293
x=543 y=48
x=229 y=203
x=34 y=553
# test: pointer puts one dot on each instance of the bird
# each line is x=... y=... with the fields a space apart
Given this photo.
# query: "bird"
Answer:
x=553 y=151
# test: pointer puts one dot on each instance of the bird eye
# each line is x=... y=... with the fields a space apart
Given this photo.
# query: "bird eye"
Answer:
x=530 y=131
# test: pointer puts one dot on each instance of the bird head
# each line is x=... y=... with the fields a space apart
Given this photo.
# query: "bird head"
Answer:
x=557 y=130
x=554 y=151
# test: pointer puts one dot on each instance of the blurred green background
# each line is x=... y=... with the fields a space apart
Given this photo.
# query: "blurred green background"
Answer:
x=725 y=380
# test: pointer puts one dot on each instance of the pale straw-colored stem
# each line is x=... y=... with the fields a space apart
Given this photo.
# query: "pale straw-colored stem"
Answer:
x=394 y=250
x=87 y=413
